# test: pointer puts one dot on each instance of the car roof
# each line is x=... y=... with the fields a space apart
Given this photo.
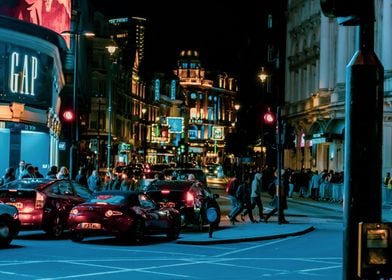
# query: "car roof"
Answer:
x=28 y=183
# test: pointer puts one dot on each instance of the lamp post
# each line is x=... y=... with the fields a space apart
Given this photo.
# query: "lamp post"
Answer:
x=144 y=111
x=75 y=128
x=280 y=190
x=111 y=49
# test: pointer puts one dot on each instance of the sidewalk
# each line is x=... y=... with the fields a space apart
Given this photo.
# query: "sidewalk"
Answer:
x=247 y=231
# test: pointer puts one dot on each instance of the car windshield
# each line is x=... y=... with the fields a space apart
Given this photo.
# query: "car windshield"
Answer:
x=25 y=184
x=108 y=199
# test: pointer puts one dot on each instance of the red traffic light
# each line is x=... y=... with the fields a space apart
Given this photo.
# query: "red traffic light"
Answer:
x=269 y=117
x=68 y=115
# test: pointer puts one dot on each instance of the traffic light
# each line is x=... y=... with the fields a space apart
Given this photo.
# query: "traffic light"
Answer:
x=68 y=115
x=269 y=117
x=349 y=12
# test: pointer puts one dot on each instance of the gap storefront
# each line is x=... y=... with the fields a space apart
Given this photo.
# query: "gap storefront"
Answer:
x=31 y=80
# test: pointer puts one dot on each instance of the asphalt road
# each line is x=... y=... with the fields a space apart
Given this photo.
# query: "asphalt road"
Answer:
x=315 y=255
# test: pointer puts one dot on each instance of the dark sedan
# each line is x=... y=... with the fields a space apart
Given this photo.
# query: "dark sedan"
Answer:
x=9 y=224
x=128 y=215
x=178 y=194
x=44 y=203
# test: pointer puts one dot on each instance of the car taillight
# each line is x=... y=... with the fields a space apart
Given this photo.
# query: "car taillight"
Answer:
x=74 y=212
x=165 y=191
x=39 y=200
x=189 y=199
x=111 y=213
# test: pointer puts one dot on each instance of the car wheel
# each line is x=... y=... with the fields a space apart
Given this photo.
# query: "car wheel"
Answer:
x=5 y=234
x=138 y=231
x=174 y=232
x=56 y=229
x=77 y=236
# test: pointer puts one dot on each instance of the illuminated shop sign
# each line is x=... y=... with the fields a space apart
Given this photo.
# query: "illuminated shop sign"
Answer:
x=176 y=124
x=217 y=132
x=159 y=133
x=26 y=76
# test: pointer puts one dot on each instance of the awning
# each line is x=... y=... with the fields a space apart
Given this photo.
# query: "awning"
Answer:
x=321 y=131
x=335 y=127
x=316 y=130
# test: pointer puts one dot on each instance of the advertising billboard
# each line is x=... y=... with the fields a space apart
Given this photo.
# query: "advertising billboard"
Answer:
x=52 y=14
x=176 y=124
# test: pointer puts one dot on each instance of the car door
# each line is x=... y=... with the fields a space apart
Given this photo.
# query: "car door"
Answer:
x=155 y=219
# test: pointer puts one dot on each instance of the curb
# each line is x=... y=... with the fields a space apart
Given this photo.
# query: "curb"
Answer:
x=212 y=241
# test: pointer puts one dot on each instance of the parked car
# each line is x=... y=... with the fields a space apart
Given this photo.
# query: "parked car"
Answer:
x=178 y=194
x=9 y=224
x=180 y=173
x=128 y=215
x=44 y=203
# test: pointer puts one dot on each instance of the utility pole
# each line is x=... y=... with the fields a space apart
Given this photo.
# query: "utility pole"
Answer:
x=363 y=128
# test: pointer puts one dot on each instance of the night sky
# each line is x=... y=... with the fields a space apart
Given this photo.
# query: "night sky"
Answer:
x=220 y=31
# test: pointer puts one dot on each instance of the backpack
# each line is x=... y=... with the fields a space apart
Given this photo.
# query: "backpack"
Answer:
x=231 y=187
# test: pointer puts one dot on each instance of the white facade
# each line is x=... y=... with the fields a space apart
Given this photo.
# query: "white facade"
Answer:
x=318 y=51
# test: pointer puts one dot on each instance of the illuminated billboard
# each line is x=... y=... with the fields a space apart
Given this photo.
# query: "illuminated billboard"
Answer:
x=176 y=124
x=52 y=14
x=27 y=76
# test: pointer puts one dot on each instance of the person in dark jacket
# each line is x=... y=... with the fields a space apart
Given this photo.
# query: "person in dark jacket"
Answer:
x=8 y=176
x=81 y=178
x=283 y=197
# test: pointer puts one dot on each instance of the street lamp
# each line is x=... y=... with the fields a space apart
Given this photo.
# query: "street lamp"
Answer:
x=268 y=118
x=144 y=111
x=75 y=129
x=111 y=50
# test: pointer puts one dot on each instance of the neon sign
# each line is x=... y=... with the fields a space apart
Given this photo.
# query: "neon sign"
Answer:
x=23 y=73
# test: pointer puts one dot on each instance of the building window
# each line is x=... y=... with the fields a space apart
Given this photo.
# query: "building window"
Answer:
x=269 y=22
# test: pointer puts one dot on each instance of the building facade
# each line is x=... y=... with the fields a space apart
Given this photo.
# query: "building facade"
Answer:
x=318 y=51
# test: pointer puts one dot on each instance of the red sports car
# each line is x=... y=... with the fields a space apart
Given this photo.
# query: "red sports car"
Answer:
x=44 y=203
x=127 y=215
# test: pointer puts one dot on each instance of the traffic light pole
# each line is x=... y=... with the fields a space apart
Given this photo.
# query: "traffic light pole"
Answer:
x=281 y=192
x=363 y=143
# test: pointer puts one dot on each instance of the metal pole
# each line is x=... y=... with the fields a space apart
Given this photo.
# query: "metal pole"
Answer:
x=75 y=126
x=279 y=165
x=145 y=140
x=109 y=114
x=98 y=132
x=363 y=142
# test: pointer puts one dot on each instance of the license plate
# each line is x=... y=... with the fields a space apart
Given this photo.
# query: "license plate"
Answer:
x=18 y=205
x=90 y=226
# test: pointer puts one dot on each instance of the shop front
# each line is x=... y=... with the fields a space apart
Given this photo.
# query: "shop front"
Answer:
x=30 y=84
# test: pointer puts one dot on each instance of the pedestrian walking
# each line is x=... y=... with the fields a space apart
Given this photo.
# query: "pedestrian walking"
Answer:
x=81 y=178
x=231 y=190
x=52 y=173
x=8 y=176
x=255 y=197
x=30 y=172
x=94 y=182
x=21 y=170
x=244 y=195
x=278 y=196
x=63 y=173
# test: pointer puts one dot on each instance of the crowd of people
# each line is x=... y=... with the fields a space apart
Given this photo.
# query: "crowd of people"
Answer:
x=246 y=186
